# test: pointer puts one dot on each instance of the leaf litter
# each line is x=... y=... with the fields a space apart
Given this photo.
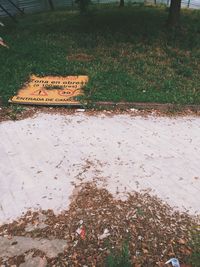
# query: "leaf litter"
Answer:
x=96 y=224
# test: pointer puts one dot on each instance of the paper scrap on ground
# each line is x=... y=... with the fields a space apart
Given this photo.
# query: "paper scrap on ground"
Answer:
x=51 y=90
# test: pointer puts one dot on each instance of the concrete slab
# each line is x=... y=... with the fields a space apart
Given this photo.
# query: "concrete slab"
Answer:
x=18 y=245
x=34 y=262
x=41 y=158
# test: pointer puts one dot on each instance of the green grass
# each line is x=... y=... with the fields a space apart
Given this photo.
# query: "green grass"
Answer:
x=135 y=57
x=195 y=245
x=119 y=259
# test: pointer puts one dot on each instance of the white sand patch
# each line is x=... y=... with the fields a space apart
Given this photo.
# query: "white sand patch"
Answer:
x=40 y=158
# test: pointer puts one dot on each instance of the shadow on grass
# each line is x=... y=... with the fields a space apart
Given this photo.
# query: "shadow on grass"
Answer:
x=131 y=24
x=136 y=57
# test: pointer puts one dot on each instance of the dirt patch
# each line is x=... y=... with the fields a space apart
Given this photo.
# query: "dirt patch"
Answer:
x=11 y=113
x=97 y=224
x=20 y=112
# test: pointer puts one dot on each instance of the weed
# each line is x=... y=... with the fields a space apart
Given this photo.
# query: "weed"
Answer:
x=121 y=259
x=195 y=245
x=14 y=111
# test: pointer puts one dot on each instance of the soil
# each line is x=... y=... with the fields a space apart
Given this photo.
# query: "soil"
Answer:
x=26 y=111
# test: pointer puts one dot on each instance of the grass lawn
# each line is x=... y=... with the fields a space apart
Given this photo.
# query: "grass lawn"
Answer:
x=128 y=53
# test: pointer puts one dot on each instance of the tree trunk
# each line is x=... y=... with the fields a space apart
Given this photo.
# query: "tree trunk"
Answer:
x=51 y=5
x=174 y=13
x=121 y=3
x=83 y=6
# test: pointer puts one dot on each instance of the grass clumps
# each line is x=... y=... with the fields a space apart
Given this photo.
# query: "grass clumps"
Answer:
x=129 y=54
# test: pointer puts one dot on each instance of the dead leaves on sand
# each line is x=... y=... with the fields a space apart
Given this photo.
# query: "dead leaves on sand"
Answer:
x=97 y=225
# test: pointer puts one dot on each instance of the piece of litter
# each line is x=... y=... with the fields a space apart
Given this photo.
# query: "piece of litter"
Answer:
x=137 y=253
x=80 y=109
x=81 y=231
x=174 y=262
x=2 y=43
x=102 y=249
x=104 y=235
x=75 y=243
x=78 y=231
x=133 y=109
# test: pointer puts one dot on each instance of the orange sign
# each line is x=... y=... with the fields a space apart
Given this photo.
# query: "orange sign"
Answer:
x=51 y=90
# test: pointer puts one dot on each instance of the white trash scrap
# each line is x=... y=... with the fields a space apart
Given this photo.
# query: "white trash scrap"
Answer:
x=174 y=262
x=2 y=43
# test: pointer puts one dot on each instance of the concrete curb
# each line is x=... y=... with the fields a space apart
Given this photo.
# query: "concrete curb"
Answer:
x=127 y=105
x=145 y=106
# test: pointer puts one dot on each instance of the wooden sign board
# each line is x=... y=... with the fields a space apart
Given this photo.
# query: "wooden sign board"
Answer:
x=51 y=90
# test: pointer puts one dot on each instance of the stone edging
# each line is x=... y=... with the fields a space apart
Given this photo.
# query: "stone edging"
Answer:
x=144 y=106
x=137 y=105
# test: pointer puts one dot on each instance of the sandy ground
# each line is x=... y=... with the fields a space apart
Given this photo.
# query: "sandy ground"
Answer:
x=41 y=159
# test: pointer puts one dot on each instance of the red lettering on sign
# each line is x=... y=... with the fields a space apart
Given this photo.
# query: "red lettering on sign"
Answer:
x=65 y=92
x=40 y=92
